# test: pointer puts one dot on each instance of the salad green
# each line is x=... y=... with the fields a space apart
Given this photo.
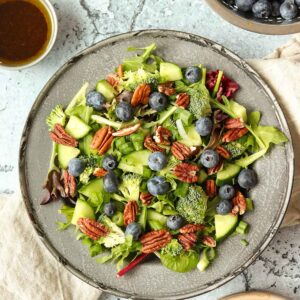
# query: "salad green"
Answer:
x=140 y=160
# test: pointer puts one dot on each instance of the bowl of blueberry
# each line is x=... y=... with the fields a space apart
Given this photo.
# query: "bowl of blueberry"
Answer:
x=262 y=16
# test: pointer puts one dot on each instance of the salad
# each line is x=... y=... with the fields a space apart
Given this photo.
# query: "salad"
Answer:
x=156 y=160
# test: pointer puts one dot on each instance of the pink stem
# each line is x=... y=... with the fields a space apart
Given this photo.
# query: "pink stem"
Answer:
x=132 y=264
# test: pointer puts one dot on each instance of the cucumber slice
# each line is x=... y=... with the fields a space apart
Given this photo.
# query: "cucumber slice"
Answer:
x=77 y=128
x=106 y=89
x=170 y=72
x=135 y=162
x=82 y=210
x=192 y=137
x=85 y=145
x=227 y=174
x=239 y=110
x=65 y=153
x=225 y=225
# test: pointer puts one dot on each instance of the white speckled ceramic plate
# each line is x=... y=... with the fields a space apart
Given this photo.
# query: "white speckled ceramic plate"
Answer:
x=151 y=280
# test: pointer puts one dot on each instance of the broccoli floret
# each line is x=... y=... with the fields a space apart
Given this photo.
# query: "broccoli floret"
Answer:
x=193 y=206
x=235 y=148
x=174 y=248
x=116 y=236
x=199 y=98
x=130 y=186
x=57 y=116
x=85 y=175
x=131 y=79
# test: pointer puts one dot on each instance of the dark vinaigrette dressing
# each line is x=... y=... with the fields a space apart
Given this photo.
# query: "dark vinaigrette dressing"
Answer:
x=25 y=30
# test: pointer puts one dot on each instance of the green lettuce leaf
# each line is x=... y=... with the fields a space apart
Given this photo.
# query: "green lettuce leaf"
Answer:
x=184 y=262
x=68 y=212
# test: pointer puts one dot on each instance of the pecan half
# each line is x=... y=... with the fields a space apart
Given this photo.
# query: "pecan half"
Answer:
x=167 y=88
x=181 y=151
x=211 y=188
x=113 y=80
x=209 y=241
x=130 y=212
x=102 y=140
x=232 y=123
x=127 y=130
x=223 y=152
x=182 y=100
x=234 y=134
x=146 y=198
x=69 y=184
x=120 y=72
x=189 y=228
x=60 y=136
x=92 y=228
x=155 y=240
x=162 y=136
x=239 y=203
x=216 y=169
x=186 y=172
x=141 y=95
x=187 y=240
x=99 y=172
x=151 y=145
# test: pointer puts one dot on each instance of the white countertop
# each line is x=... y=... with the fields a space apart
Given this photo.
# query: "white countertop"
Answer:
x=84 y=22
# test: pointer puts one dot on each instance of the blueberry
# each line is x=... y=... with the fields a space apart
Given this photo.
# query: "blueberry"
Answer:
x=110 y=209
x=209 y=158
x=109 y=162
x=124 y=111
x=193 y=74
x=174 y=222
x=288 y=10
x=134 y=229
x=158 y=186
x=275 y=8
x=224 y=207
x=125 y=96
x=262 y=9
x=247 y=179
x=158 y=101
x=95 y=100
x=297 y=2
x=157 y=161
x=111 y=182
x=244 y=5
x=76 y=166
x=204 y=126
x=226 y=191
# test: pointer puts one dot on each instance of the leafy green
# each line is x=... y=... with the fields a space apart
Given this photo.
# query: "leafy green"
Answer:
x=131 y=79
x=140 y=61
x=193 y=206
x=56 y=116
x=121 y=252
x=78 y=100
x=184 y=262
x=130 y=186
x=156 y=220
x=116 y=236
x=94 y=247
x=270 y=134
x=254 y=119
x=82 y=111
x=199 y=98
x=68 y=212
x=163 y=116
x=174 y=248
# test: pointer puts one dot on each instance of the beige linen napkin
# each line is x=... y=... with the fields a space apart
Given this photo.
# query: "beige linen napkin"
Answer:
x=29 y=272
x=281 y=70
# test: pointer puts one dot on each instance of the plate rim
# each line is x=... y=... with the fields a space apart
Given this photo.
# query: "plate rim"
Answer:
x=156 y=33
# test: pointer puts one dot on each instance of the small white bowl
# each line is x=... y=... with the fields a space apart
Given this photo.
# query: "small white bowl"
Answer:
x=54 y=26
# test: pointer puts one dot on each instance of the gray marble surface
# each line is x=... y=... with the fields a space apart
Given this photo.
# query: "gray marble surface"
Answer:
x=84 y=22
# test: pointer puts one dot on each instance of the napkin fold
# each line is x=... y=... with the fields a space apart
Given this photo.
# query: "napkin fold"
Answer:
x=27 y=269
